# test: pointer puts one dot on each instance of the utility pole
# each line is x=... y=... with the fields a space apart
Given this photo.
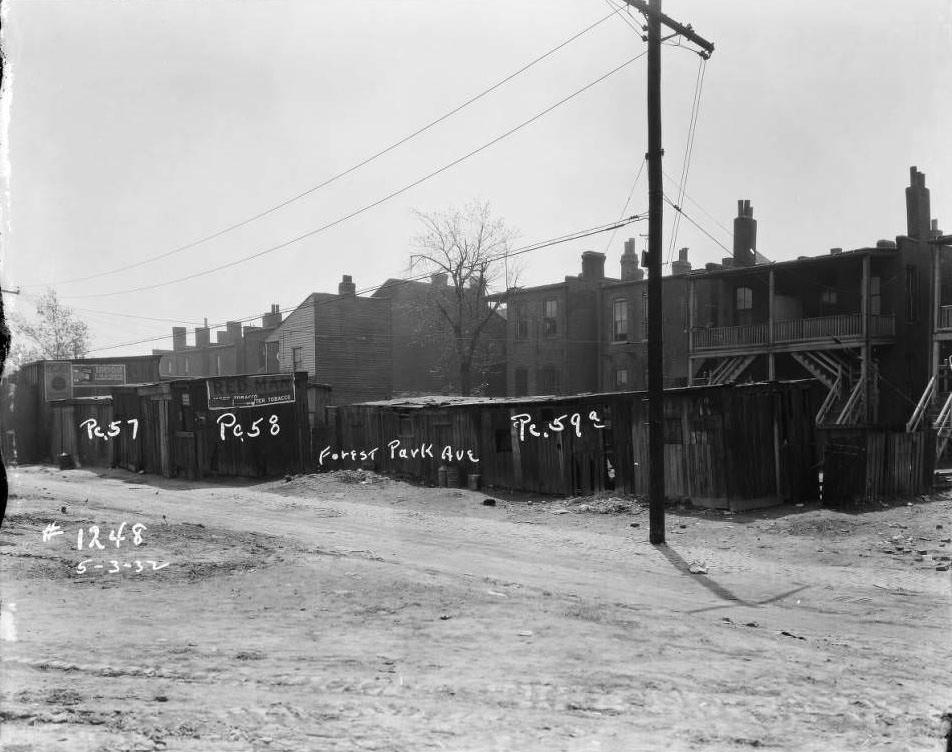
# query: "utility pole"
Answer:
x=652 y=10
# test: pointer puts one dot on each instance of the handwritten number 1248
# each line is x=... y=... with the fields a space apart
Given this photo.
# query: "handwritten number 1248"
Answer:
x=93 y=428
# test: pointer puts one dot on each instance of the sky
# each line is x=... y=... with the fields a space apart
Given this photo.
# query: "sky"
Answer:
x=132 y=129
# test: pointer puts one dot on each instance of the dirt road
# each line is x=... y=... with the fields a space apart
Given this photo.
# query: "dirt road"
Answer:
x=328 y=614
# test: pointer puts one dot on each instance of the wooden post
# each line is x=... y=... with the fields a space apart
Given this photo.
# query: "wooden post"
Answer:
x=771 y=360
x=655 y=310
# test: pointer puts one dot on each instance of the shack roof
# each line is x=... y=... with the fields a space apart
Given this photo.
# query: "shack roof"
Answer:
x=440 y=400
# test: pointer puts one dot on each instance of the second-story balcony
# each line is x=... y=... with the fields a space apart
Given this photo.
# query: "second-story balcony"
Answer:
x=843 y=327
x=945 y=317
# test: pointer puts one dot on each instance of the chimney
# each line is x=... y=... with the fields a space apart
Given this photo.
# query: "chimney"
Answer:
x=439 y=279
x=234 y=331
x=272 y=320
x=917 y=206
x=836 y=251
x=202 y=336
x=629 y=263
x=221 y=338
x=179 y=333
x=745 y=234
x=347 y=286
x=593 y=266
x=934 y=231
x=728 y=262
x=682 y=265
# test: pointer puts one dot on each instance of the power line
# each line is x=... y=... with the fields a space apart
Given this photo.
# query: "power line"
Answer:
x=498 y=257
x=369 y=206
x=631 y=193
x=688 y=150
x=34 y=299
x=688 y=218
x=344 y=173
x=703 y=210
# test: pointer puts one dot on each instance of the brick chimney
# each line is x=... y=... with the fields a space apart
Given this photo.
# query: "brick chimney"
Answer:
x=682 y=265
x=630 y=270
x=917 y=206
x=347 y=286
x=234 y=331
x=272 y=320
x=745 y=234
x=179 y=334
x=203 y=336
x=593 y=265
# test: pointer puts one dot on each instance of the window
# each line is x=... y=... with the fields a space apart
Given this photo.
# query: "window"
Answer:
x=296 y=358
x=550 y=318
x=644 y=314
x=621 y=378
x=550 y=380
x=828 y=298
x=186 y=366
x=620 y=321
x=218 y=365
x=875 y=296
x=745 y=306
x=745 y=298
x=912 y=294
x=168 y=366
x=522 y=321
x=522 y=382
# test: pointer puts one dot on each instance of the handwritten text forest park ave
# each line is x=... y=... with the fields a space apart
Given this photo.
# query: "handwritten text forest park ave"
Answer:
x=396 y=450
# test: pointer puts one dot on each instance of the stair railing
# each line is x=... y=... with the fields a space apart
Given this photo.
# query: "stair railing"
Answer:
x=943 y=427
x=924 y=401
x=831 y=398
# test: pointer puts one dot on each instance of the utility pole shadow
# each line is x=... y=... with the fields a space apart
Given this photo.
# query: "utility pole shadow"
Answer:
x=715 y=587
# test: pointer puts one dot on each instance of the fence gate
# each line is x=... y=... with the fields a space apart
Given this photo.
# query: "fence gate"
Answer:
x=844 y=474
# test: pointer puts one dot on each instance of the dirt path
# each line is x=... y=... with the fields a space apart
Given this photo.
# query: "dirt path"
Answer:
x=327 y=615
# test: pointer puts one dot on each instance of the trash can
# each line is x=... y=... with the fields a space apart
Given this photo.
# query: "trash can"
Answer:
x=472 y=481
x=452 y=477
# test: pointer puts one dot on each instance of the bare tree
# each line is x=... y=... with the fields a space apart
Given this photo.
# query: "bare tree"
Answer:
x=55 y=334
x=471 y=248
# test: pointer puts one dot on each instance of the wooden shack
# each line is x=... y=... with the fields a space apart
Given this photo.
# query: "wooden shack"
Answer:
x=731 y=446
x=252 y=426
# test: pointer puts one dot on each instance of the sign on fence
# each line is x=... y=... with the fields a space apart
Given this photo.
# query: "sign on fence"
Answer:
x=229 y=392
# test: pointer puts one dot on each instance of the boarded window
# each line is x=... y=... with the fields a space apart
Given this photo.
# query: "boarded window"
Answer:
x=621 y=377
x=296 y=358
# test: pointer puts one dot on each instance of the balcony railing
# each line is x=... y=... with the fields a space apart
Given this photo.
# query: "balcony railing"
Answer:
x=945 y=317
x=848 y=325
x=730 y=336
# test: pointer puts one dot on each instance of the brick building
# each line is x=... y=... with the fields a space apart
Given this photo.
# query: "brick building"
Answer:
x=423 y=355
x=236 y=350
x=343 y=340
x=552 y=340
x=874 y=324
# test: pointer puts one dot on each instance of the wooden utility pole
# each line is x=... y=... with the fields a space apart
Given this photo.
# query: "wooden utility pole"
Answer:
x=656 y=18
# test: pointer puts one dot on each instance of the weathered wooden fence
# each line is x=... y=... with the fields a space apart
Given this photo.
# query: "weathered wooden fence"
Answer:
x=726 y=446
x=863 y=464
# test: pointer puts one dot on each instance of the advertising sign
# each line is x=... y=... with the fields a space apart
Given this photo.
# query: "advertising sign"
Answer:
x=98 y=374
x=228 y=392
x=56 y=380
